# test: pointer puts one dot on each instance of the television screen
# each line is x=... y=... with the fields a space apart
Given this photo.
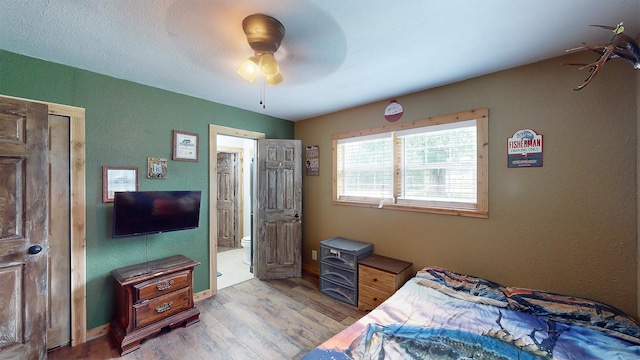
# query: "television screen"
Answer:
x=151 y=212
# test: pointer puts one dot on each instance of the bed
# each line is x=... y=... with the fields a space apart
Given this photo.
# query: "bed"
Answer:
x=441 y=314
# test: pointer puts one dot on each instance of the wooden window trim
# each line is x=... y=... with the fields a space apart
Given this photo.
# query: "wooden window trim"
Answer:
x=481 y=208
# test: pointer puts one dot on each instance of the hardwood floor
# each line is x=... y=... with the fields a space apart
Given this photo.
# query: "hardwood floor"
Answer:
x=274 y=319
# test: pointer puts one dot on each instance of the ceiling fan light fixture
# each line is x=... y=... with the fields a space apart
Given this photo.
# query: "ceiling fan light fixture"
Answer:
x=249 y=69
x=264 y=35
x=275 y=79
x=268 y=65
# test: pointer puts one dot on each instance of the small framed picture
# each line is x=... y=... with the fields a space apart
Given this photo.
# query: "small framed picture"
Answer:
x=185 y=146
x=118 y=178
x=156 y=168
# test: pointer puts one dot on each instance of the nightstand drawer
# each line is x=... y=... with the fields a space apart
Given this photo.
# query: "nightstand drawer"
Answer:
x=161 y=307
x=370 y=296
x=381 y=280
x=379 y=277
x=160 y=286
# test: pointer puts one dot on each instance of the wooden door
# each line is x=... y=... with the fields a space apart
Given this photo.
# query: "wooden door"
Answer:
x=278 y=240
x=58 y=320
x=227 y=205
x=23 y=229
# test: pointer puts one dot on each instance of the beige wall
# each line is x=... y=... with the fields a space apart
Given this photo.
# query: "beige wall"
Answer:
x=568 y=227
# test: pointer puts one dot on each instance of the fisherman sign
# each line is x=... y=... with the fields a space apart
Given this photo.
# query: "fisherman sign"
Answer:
x=524 y=149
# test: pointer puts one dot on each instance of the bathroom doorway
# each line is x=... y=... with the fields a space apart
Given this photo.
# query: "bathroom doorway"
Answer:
x=234 y=207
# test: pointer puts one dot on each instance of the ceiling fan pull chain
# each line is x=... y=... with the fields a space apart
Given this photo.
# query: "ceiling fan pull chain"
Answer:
x=263 y=95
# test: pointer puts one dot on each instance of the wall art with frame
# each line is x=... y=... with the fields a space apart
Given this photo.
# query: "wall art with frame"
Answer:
x=156 y=168
x=185 y=146
x=118 y=178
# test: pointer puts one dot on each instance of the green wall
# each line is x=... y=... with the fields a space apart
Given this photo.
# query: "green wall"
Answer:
x=127 y=122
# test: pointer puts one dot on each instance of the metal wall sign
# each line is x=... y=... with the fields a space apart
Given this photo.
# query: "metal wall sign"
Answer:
x=312 y=160
x=524 y=149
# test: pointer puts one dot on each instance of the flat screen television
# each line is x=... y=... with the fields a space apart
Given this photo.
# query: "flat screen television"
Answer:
x=151 y=212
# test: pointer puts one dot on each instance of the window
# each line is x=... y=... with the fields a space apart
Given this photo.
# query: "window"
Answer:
x=434 y=165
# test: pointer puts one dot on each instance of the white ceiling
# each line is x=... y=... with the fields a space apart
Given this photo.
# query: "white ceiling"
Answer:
x=336 y=54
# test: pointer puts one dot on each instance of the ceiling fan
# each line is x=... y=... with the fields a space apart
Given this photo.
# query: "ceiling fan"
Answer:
x=264 y=35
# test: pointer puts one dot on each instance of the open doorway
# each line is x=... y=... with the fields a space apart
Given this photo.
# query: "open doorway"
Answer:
x=234 y=209
x=281 y=187
x=214 y=131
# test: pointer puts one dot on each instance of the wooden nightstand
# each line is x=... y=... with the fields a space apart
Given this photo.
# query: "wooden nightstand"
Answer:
x=150 y=296
x=379 y=278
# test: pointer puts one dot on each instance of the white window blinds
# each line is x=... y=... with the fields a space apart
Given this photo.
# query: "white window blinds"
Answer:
x=440 y=162
x=365 y=166
x=437 y=164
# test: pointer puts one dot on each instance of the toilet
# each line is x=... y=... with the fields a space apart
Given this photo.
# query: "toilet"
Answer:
x=246 y=244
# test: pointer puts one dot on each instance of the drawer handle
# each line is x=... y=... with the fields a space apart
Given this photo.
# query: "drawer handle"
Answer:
x=374 y=279
x=164 y=285
x=164 y=307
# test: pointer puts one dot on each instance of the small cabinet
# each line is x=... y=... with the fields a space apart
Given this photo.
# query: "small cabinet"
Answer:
x=339 y=267
x=379 y=278
x=150 y=296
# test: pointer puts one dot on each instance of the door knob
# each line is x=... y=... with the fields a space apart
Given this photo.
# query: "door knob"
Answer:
x=34 y=249
x=297 y=216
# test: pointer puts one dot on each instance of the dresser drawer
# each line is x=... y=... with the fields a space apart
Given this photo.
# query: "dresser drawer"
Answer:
x=155 y=287
x=381 y=280
x=161 y=307
x=369 y=298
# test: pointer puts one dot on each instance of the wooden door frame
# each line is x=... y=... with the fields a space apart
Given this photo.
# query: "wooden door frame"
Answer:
x=214 y=131
x=78 y=214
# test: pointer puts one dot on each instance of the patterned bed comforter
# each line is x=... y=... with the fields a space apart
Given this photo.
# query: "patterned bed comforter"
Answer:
x=440 y=314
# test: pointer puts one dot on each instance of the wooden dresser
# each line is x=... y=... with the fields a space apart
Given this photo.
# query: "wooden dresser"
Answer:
x=379 y=278
x=150 y=296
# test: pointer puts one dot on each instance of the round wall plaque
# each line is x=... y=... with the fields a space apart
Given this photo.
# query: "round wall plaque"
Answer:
x=393 y=112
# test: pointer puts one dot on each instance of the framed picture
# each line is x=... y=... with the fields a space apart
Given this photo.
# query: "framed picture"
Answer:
x=118 y=178
x=156 y=168
x=185 y=146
